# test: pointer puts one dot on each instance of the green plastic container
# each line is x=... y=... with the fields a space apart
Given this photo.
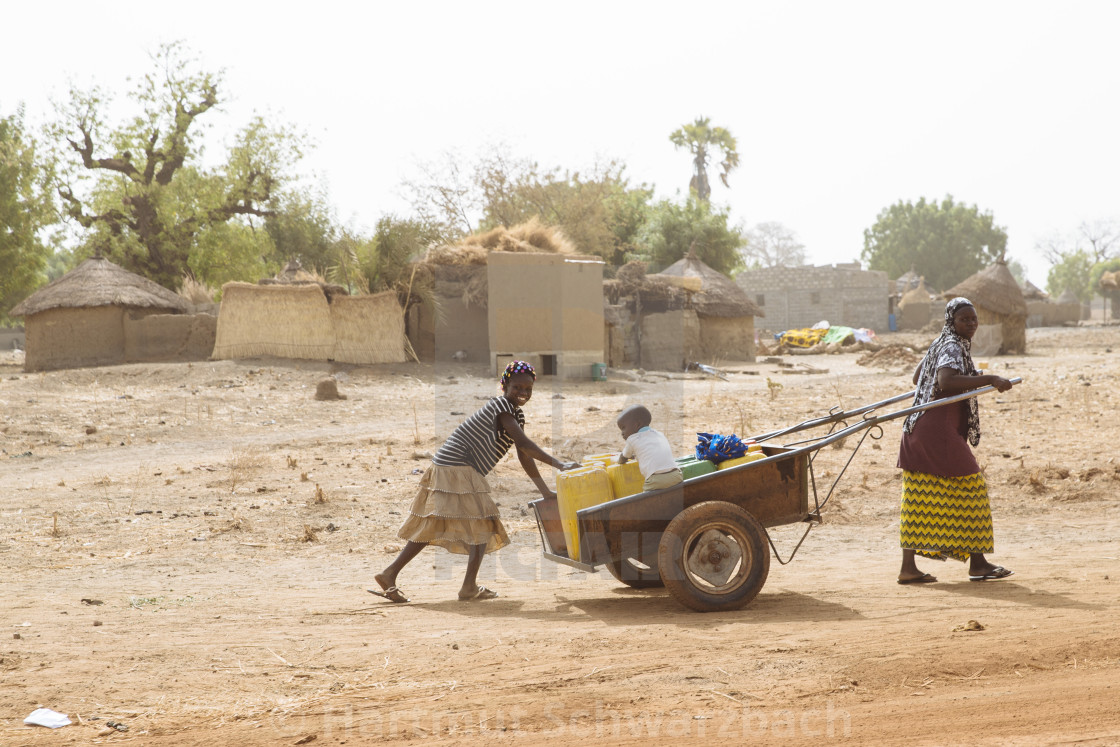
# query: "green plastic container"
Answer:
x=598 y=371
x=693 y=467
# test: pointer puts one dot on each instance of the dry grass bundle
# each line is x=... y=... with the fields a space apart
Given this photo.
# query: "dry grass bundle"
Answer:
x=477 y=291
x=196 y=293
x=243 y=465
x=531 y=236
x=456 y=255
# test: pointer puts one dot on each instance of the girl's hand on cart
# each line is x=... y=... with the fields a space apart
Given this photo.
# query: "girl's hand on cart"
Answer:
x=548 y=495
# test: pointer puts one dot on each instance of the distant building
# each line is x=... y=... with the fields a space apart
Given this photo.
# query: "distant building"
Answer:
x=794 y=297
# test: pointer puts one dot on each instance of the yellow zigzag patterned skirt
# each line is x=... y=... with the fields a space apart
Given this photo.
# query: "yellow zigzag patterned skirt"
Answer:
x=945 y=517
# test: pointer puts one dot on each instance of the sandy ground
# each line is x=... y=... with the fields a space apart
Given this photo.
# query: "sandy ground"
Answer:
x=185 y=551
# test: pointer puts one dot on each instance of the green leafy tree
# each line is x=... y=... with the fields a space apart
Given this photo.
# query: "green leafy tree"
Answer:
x=946 y=242
x=675 y=229
x=303 y=228
x=1070 y=270
x=598 y=211
x=395 y=245
x=1112 y=294
x=699 y=138
x=26 y=209
x=140 y=189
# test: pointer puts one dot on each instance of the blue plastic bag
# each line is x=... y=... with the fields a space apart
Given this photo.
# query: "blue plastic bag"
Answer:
x=717 y=448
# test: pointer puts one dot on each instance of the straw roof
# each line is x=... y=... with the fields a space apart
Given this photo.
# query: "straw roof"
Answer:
x=1032 y=292
x=919 y=295
x=718 y=295
x=531 y=236
x=993 y=288
x=907 y=281
x=1068 y=296
x=99 y=282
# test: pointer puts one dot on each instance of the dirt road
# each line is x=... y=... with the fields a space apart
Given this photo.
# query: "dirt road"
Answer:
x=185 y=550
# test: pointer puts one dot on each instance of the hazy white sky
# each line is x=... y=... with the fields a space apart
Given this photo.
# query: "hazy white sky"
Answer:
x=840 y=108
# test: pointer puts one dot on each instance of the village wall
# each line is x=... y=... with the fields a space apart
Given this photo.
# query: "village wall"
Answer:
x=452 y=329
x=726 y=339
x=152 y=337
x=1050 y=314
x=669 y=340
x=12 y=338
x=794 y=297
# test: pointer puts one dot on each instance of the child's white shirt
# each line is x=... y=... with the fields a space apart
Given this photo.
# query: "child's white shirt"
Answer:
x=652 y=450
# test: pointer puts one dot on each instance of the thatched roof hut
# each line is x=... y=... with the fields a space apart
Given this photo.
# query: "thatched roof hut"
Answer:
x=1068 y=296
x=688 y=312
x=717 y=294
x=1032 y=292
x=914 y=307
x=999 y=303
x=80 y=318
x=99 y=282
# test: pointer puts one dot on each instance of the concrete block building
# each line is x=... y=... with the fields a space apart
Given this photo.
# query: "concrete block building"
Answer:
x=794 y=297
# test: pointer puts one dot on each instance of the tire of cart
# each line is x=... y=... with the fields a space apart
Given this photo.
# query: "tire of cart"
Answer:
x=637 y=573
x=714 y=556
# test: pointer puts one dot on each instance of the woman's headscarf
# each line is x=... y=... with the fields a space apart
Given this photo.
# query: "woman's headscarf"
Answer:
x=927 y=379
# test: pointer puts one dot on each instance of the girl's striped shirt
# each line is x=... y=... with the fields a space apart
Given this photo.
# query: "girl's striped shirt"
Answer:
x=479 y=441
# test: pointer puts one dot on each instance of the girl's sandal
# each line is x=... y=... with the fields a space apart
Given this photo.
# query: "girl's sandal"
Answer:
x=393 y=594
x=482 y=593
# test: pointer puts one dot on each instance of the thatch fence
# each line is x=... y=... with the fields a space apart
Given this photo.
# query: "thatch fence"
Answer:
x=298 y=321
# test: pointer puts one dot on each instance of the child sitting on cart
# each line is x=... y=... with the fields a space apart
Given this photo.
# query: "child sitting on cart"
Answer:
x=652 y=450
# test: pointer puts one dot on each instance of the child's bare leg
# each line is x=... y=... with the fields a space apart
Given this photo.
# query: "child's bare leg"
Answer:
x=388 y=577
x=474 y=562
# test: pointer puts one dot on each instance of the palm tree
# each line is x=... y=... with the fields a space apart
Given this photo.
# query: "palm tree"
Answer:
x=699 y=137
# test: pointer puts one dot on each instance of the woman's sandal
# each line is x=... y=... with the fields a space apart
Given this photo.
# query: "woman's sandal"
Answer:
x=393 y=594
x=993 y=575
x=482 y=593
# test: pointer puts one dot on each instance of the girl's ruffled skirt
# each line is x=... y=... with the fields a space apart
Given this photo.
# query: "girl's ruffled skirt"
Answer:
x=453 y=509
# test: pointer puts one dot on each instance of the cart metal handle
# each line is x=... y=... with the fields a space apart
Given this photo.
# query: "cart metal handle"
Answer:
x=833 y=417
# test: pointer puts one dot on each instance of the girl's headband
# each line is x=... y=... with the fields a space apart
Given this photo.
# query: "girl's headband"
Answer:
x=514 y=368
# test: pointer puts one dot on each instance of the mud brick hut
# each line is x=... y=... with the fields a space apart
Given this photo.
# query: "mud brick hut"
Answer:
x=520 y=292
x=1044 y=311
x=723 y=310
x=688 y=312
x=296 y=316
x=915 y=308
x=101 y=314
x=1001 y=308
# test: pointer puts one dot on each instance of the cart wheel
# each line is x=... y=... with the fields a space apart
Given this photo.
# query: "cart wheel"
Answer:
x=713 y=556
x=637 y=573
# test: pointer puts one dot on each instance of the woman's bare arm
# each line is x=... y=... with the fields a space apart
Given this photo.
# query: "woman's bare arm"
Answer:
x=949 y=382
